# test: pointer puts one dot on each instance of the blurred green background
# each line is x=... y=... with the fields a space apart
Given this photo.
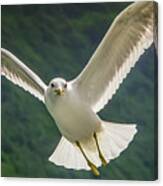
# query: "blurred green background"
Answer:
x=58 y=40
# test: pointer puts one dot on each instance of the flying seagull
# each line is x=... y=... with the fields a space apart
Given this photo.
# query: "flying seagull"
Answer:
x=87 y=141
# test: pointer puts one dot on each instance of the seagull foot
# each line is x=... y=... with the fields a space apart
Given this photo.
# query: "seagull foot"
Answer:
x=104 y=162
x=93 y=168
x=90 y=164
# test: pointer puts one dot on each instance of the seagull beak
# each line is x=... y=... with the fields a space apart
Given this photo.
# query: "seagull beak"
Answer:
x=59 y=91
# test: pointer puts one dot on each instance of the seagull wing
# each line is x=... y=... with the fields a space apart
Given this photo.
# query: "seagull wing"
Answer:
x=130 y=34
x=14 y=70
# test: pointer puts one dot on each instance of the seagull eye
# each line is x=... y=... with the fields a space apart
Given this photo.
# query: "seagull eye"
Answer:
x=52 y=85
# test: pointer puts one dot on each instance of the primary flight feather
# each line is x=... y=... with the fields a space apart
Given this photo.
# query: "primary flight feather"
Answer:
x=89 y=142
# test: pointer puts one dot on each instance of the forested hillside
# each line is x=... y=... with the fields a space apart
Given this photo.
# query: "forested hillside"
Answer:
x=58 y=40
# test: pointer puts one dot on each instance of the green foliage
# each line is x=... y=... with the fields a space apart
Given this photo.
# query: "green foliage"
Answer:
x=58 y=40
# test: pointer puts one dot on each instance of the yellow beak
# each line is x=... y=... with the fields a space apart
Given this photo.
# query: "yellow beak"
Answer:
x=59 y=91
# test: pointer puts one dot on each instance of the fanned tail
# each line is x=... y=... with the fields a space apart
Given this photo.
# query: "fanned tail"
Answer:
x=113 y=139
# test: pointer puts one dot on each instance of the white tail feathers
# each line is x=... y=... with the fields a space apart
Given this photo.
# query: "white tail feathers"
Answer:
x=113 y=139
x=68 y=155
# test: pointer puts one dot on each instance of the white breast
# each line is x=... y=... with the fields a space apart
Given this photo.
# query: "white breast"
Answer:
x=75 y=119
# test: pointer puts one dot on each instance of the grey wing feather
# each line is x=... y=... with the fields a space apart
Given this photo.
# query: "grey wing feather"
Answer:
x=18 y=73
x=130 y=34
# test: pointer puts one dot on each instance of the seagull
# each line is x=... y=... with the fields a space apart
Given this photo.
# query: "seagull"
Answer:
x=87 y=141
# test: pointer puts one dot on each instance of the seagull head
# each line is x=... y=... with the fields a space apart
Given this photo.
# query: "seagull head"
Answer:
x=58 y=86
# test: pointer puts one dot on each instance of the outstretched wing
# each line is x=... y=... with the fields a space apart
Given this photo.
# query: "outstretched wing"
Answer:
x=14 y=70
x=130 y=34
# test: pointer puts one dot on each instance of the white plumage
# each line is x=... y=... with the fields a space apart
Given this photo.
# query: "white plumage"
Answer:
x=74 y=104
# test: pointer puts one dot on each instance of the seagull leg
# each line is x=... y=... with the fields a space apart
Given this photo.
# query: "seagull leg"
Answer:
x=104 y=162
x=90 y=164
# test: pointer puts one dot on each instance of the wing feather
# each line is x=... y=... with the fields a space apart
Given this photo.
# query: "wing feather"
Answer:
x=130 y=34
x=18 y=73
